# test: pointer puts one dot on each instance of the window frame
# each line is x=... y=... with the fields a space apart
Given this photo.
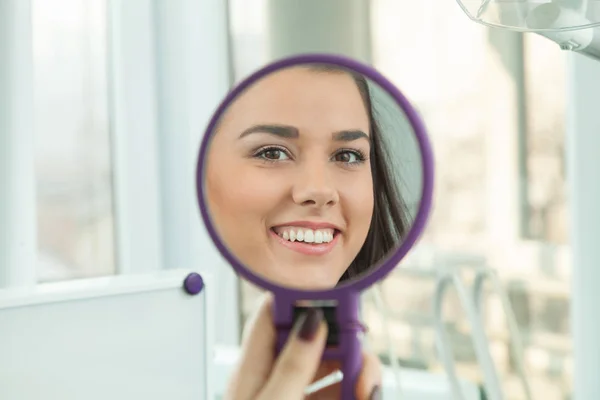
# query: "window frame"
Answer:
x=132 y=92
x=170 y=67
x=17 y=163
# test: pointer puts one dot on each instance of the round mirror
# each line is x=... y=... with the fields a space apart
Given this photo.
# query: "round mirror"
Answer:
x=315 y=174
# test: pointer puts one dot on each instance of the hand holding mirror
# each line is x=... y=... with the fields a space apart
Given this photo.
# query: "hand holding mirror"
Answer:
x=314 y=180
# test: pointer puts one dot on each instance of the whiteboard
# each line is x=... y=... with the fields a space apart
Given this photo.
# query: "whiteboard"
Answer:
x=123 y=337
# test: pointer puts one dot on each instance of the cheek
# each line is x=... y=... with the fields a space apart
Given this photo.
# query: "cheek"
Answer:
x=362 y=207
x=359 y=203
x=242 y=199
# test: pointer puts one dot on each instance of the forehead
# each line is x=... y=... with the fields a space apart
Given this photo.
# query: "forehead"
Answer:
x=305 y=98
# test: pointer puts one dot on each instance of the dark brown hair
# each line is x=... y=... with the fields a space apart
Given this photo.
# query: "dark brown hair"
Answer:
x=389 y=224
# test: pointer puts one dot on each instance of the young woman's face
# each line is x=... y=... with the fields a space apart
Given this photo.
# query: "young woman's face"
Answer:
x=288 y=182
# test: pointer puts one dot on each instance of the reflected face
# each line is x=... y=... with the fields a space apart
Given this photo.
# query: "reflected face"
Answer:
x=289 y=182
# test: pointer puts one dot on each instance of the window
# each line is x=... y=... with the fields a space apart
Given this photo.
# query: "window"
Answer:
x=248 y=26
x=497 y=128
x=443 y=67
x=466 y=81
x=546 y=212
x=73 y=163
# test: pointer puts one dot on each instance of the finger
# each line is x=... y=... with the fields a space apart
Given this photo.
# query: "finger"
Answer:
x=298 y=362
x=257 y=354
x=369 y=382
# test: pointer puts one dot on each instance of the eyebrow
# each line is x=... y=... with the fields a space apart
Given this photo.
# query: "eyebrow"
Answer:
x=291 y=132
x=351 y=135
x=288 y=132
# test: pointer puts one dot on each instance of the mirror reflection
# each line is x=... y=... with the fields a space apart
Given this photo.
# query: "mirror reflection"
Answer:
x=313 y=176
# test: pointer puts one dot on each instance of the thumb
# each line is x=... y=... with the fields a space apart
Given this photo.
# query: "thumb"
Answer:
x=297 y=364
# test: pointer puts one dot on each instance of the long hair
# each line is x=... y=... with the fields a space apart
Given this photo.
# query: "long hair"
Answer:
x=389 y=223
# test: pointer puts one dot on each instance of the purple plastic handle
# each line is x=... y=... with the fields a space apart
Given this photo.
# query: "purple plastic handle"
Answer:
x=347 y=295
x=349 y=349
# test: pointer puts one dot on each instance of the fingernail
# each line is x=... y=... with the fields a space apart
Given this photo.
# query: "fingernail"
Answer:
x=309 y=325
x=375 y=394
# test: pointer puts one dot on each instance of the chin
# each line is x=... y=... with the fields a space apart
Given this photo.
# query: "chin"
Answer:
x=299 y=274
x=307 y=281
x=322 y=283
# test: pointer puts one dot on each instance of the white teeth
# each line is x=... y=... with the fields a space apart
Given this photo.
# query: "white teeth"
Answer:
x=317 y=236
x=309 y=236
x=329 y=237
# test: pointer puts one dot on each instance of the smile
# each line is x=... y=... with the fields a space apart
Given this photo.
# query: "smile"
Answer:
x=305 y=240
x=298 y=234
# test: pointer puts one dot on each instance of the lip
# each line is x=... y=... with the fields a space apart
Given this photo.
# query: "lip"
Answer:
x=306 y=248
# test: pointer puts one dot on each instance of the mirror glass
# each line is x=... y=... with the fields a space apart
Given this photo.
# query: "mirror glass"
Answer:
x=313 y=176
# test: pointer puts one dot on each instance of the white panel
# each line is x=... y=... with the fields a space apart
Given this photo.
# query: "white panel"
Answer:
x=18 y=245
x=127 y=337
x=135 y=135
x=583 y=164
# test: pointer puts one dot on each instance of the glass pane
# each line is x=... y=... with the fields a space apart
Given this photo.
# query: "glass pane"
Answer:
x=248 y=29
x=450 y=75
x=466 y=81
x=546 y=207
x=73 y=165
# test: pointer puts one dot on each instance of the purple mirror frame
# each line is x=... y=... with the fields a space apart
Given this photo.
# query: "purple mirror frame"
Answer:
x=427 y=165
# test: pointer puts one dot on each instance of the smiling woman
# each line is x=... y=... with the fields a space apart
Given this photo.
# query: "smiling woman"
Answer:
x=298 y=181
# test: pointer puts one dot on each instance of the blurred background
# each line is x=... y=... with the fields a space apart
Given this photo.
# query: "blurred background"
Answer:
x=498 y=130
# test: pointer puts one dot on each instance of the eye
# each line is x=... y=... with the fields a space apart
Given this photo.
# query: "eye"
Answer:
x=272 y=154
x=349 y=157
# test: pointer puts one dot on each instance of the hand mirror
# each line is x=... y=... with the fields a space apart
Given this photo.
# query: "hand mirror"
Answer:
x=314 y=179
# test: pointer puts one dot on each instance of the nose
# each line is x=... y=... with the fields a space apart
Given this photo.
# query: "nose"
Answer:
x=314 y=187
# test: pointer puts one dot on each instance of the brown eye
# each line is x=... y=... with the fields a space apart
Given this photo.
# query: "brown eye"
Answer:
x=348 y=157
x=272 y=154
x=344 y=157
